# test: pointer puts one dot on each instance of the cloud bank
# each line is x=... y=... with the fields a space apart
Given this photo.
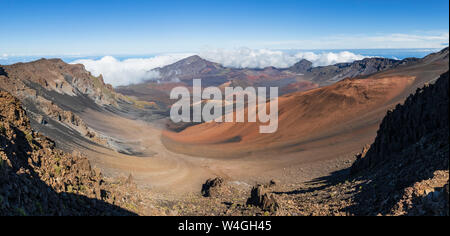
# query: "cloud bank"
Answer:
x=130 y=71
x=136 y=70
x=329 y=58
x=260 y=58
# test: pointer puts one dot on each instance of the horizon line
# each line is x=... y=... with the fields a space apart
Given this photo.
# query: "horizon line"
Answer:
x=190 y=52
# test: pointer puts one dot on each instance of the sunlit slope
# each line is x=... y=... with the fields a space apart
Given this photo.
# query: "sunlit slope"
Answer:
x=349 y=110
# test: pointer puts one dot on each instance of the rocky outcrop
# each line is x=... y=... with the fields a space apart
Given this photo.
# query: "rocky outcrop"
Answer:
x=423 y=117
x=404 y=172
x=68 y=118
x=54 y=75
x=406 y=169
x=38 y=179
x=426 y=197
x=52 y=90
x=261 y=197
x=3 y=72
x=211 y=188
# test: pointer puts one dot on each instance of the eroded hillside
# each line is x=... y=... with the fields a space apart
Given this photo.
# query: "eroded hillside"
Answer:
x=38 y=179
x=55 y=95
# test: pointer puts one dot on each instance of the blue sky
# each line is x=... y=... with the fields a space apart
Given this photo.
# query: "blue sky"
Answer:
x=46 y=27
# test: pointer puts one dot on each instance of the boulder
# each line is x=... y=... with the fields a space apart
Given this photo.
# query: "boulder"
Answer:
x=261 y=198
x=211 y=188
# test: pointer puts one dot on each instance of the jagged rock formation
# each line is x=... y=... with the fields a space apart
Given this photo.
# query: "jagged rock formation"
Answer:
x=423 y=117
x=409 y=161
x=38 y=179
x=2 y=72
x=404 y=172
x=260 y=197
x=211 y=188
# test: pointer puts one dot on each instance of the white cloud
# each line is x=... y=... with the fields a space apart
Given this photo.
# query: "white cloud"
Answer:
x=129 y=71
x=4 y=56
x=329 y=58
x=137 y=70
x=260 y=58
x=248 y=58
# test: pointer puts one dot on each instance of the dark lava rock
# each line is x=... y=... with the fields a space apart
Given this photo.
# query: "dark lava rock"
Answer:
x=446 y=193
x=3 y=72
x=212 y=187
x=424 y=116
x=261 y=198
x=272 y=183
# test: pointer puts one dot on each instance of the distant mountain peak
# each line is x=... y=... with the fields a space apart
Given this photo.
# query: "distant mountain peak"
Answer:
x=302 y=66
x=190 y=66
x=194 y=58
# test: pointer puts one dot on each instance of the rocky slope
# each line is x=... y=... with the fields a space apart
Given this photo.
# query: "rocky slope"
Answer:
x=358 y=68
x=404 y=172
x=38 y=179
x=325 y=75
x=441 y=55
x=55 y=94
x=410 y=151
x=56 y=76
x=423 y=117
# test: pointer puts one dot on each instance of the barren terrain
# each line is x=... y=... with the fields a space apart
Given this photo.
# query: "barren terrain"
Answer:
x=320 y=133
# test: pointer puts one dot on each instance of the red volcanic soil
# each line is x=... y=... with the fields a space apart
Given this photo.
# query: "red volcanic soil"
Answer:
x=299 y=86
x=304 y=117
x=323 y=122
